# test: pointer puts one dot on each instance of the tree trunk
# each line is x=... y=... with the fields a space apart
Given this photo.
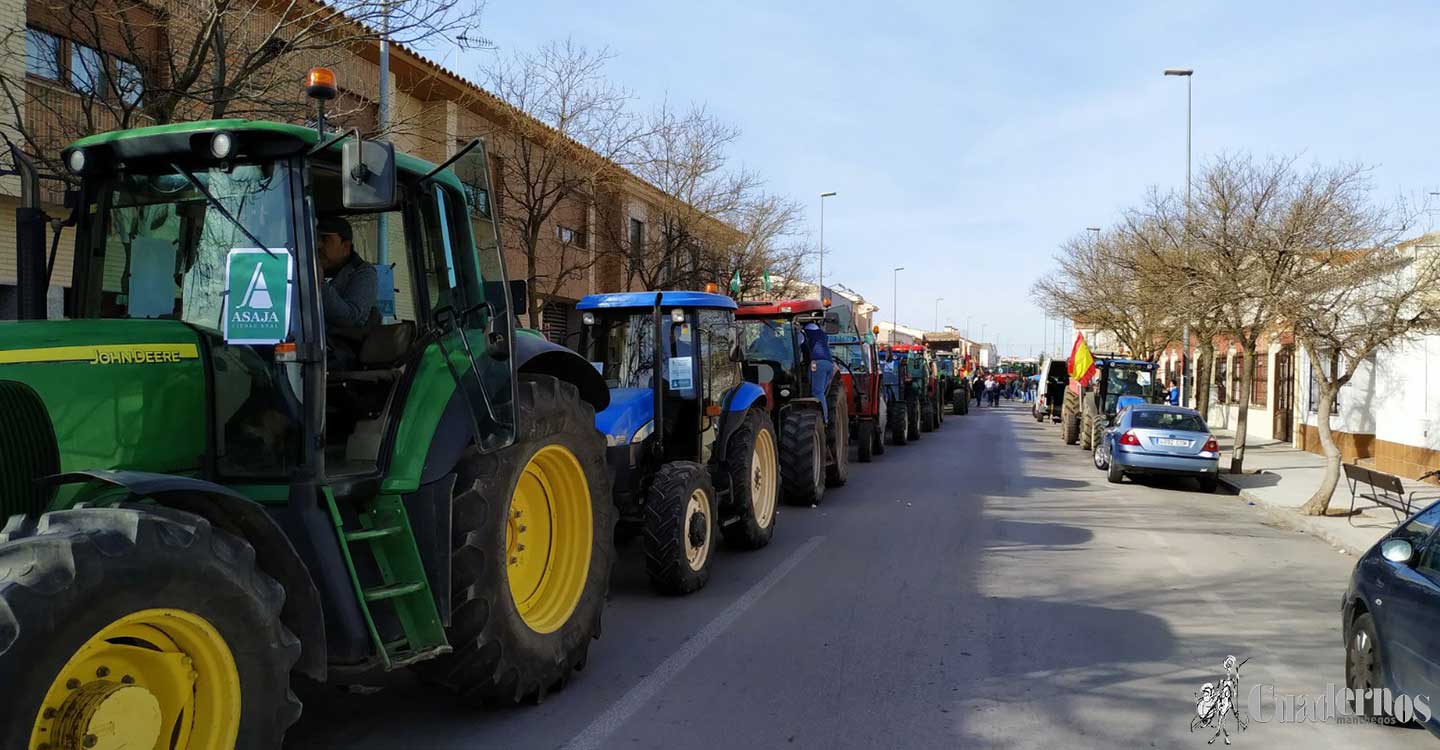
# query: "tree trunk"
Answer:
x=1319 y=502
x=1242 y=418
x=1203 y=366
x=217 y=72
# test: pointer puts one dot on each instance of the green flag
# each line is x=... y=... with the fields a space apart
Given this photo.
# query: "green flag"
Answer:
x=735 y=282
x=767 y=279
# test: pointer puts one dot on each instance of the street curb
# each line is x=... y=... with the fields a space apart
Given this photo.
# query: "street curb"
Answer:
x=1287 y=515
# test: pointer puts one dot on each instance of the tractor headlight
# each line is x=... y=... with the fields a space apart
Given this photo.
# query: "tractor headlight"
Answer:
x=76 y=162
x=588 y=318
x=221 y=145
x=677 y=315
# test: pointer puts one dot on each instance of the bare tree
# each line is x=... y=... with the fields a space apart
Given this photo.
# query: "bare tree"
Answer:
x=1116 y=282
x=128 y=63
x=686 y=156
x=1258 y=231
x=565 y=129
x=771 y=254
x=1353 y=306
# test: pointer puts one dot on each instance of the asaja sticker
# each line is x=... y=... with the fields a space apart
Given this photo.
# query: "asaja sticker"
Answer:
x=258 y=287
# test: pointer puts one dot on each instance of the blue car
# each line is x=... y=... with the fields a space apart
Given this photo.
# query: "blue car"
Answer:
x=1158 y=439
x=1391 y=620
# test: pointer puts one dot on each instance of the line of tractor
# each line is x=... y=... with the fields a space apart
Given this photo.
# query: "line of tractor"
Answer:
x=207 y=502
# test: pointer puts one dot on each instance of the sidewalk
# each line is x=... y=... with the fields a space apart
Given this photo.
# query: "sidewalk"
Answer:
x=1286 y=478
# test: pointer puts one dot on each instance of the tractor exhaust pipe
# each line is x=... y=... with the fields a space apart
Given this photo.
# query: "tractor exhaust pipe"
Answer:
x=31 y=272
x=658 y=444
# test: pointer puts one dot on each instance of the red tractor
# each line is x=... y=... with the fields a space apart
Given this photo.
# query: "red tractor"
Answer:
x=814 y=453
x=858 y=368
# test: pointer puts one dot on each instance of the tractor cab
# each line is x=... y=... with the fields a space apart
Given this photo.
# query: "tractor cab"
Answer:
x=1130 y=380
x=773 y=339
x=688 y=440
x=289 y=368
x=858 y=369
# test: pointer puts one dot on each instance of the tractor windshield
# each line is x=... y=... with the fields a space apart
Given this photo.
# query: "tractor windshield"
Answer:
x=769 y=341
x=851 y=356
x=161 y=246
x=620 y=348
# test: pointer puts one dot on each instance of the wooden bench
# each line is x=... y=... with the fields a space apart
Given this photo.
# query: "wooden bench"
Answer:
x=1386 y=490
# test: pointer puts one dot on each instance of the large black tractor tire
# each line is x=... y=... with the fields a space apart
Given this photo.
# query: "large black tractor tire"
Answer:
x=110 y=580
x=680 y=528
x=802 y=457
x=865 y=441
x=748 y=522
x=877 y=438
x=1070 y=420
x=927 y=415
x=1087 y=432
x=938 y=406
x=498 y=657
x=837 y=469
x=958 y=403
x=1097 y=432
x=898 y=421
x=912 y=419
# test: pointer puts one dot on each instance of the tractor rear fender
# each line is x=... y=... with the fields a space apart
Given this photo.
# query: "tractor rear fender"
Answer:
x=543 y=357
x=239 y=515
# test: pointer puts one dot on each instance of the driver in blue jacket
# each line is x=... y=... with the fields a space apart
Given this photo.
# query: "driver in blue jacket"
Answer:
x=822 y=366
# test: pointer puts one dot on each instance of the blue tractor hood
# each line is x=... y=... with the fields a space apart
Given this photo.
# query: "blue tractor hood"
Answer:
x=629 y=409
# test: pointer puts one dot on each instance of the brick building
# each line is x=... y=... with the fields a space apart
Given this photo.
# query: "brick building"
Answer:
x=434 y=111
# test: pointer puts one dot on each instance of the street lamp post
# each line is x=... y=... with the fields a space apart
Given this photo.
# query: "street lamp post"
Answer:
x=895 y=296
x=821 y=289
x=1188 y=74
x=938 y=300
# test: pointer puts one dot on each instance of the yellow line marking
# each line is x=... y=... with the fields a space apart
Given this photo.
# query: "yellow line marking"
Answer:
x=103 y=354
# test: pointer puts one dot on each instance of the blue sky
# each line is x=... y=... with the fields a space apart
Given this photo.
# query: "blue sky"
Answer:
x=966 y=140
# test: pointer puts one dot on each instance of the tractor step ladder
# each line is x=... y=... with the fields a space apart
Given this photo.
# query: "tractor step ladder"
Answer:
x=384 y=535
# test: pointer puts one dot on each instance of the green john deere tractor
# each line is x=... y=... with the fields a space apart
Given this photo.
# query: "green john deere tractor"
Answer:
x=210 y=489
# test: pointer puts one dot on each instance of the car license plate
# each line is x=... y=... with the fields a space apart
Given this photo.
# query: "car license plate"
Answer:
x=1172 y=443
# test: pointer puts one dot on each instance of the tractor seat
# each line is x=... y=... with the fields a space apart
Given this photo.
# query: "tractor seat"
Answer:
x=382 y=352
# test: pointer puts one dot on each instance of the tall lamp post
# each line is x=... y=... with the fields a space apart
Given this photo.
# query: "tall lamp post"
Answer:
x=821 y=289
x=1188 y=74
x=938 y=300
x=895 y=296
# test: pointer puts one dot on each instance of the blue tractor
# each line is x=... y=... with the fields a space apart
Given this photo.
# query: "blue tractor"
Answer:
x=690 y=444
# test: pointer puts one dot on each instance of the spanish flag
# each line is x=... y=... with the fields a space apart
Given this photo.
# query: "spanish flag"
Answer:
x=1081 y=362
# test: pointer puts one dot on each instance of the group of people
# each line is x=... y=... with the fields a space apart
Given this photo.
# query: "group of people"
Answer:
x=986 y=387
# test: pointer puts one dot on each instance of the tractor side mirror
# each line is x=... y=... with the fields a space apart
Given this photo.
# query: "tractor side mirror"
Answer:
x=367 y=172
x=831 y=324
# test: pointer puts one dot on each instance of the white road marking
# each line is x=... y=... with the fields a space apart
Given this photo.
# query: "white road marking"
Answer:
x=604 y=725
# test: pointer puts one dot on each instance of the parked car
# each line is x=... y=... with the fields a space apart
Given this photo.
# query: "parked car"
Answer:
x=1157 y=439
x=1390 y=616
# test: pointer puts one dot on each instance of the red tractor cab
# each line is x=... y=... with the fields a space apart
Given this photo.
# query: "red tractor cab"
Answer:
x=813 y=452
x=858 y=367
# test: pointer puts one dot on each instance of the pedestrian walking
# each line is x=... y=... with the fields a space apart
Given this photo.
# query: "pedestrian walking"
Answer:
x=1172 y=395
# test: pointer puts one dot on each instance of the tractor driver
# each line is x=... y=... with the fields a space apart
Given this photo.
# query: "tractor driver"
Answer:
x=822 y=366
x=350 y=287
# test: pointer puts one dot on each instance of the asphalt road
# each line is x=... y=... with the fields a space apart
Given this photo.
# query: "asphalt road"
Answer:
x=982 y=588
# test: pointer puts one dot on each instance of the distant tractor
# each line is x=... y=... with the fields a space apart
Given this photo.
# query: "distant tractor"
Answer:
x=814 y=451
x=895 y=384
x=954 y=389
x=690 y=443
x=859 y=370
x=1088 y=410
x=206 y=497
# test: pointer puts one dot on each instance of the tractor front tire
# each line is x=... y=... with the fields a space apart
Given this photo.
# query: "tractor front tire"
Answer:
x=927 y=416
x=877 y=438
x=802 y=457
x=898 y=422
x=523 y=620
x=1087 y=432
x=837 y=470
x=865 y=441
x=100 y=606
x=912 y=419
x=680 y=528
x=749 y=521
x=1069 y=420
x=1097 y=433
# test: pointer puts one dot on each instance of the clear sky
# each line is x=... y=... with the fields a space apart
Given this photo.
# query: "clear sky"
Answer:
x=966 y=140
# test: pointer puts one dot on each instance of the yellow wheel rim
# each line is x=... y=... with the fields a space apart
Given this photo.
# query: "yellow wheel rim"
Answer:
x=158 y=678
x=763 y=486
x=548 y=538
